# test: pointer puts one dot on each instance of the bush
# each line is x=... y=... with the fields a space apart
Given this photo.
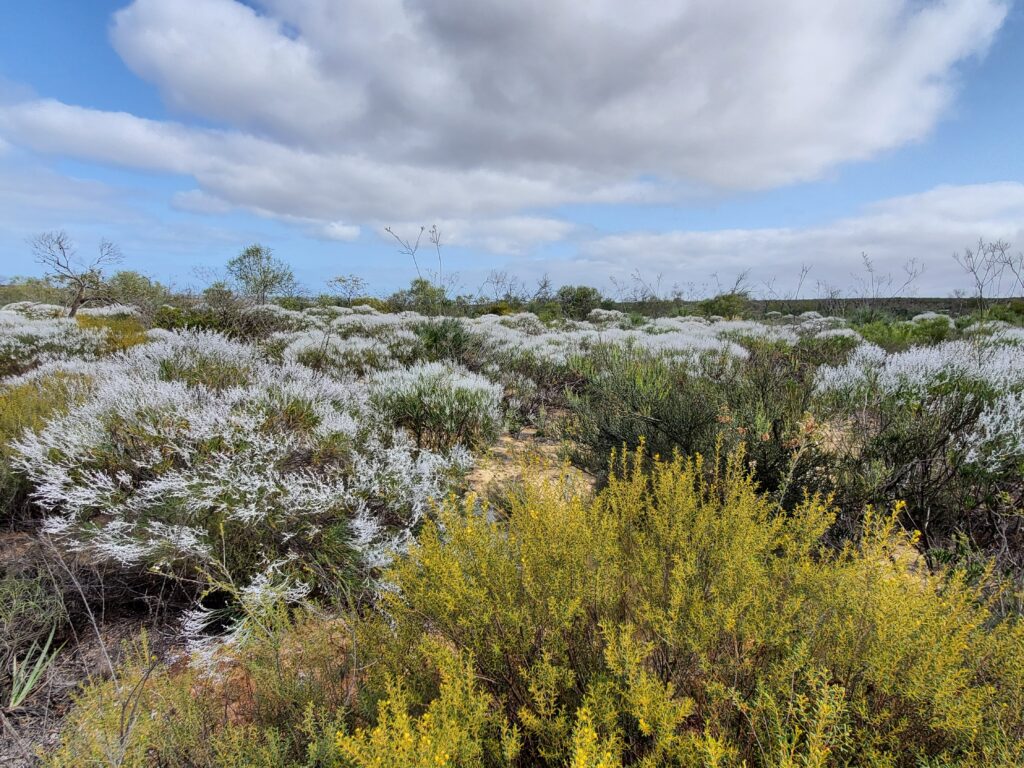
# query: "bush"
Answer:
x=725 y=305
x=578 y=301
x=26 y=406
x=329 y=352
x=679 y=618
x=676 y=618
x=29 y=338
x=630 y=397
x=195 y=458
x=940 y=427
x=421 y=296
x=441 y=405
x=120 y=332
x=448 y=339
x=224 y=313
x=894 y=335
x=136 y=290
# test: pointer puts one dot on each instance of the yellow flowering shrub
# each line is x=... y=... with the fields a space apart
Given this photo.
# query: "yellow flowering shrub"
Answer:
x=681 y=618
x=455 y=730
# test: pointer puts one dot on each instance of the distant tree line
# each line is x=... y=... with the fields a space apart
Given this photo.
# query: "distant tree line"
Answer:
x=256 y=276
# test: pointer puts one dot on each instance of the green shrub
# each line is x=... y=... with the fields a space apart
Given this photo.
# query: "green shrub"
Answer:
x=448 y=339
x=225 y=315
x=440 y=404
x=733 y=304
x=421 y=296
x=630 y=396
x=897 y=335
x=136 y=290
x=577 y=301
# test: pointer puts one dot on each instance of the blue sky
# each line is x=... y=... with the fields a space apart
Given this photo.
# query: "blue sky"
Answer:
x=585 y=141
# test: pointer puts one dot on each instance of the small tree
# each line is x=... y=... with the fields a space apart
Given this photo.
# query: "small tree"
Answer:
x=421 y=296
x=873 y=287
x=348 y=287
x=1014 y=263
x=81 y=280
x=259 y=275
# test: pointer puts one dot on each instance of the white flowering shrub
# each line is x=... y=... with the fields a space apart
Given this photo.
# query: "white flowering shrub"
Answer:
x=996 y=441
x=35 y=310
x=323 y=350
x=440 y=404
x=28 y=339
x=194 y=456
x=109 y=310
x=940 y=427
x=931 y=317
x=986 y=364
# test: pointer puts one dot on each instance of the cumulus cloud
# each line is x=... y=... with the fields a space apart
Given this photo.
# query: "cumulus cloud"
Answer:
x=927 y=227
x=374 y=110
x=744 y=94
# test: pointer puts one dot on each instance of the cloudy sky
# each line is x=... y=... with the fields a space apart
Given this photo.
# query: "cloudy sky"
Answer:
x=690 y=139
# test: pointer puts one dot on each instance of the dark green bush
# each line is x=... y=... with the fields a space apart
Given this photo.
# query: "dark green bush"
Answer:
x=630 y=397
x=577 y=301
x=733 y=304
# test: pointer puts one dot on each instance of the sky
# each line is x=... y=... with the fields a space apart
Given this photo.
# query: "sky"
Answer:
x=677 y=142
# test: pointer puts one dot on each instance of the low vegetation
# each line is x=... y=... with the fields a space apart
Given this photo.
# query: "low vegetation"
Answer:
x=241 y=529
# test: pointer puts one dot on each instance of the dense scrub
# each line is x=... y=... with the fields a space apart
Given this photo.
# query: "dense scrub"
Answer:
x=281 y=494
x=680 y=618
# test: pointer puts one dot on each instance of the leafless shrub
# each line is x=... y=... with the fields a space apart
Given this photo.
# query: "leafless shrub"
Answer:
x=82 y=279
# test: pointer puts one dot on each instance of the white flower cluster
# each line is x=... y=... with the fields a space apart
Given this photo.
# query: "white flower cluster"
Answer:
x=109 y=310
x=992 y=362
x=997 y=441
x=930 y=317
x=193 y=432
x=29 y=338
x=361 y=340
x=35 y=309
x=986 y=370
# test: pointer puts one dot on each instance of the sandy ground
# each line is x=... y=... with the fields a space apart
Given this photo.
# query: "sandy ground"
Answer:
x=506 y=463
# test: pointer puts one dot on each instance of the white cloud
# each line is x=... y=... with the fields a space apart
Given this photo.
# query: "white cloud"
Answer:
x=743 y=94
x=397 y=110
x=276 y=179
x=339 y=230
x=481 y=115
x=928 y=227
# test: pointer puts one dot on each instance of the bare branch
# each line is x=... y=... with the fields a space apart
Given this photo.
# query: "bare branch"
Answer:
x=83 y=280
x=408 y=247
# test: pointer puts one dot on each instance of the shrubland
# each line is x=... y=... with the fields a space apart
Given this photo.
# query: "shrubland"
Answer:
x=680 y=617
x=806 y=548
